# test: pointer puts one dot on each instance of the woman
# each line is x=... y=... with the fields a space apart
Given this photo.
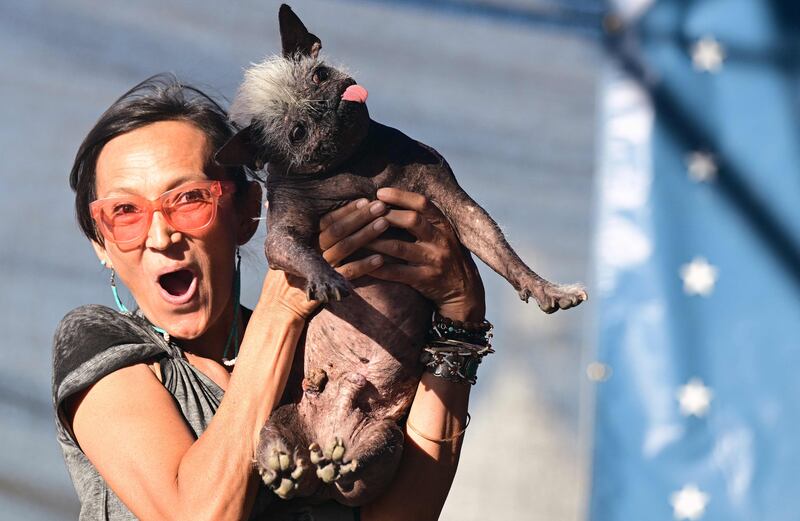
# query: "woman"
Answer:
x=152 y=423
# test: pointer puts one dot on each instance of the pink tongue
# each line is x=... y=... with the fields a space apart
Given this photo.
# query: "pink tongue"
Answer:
x=355 y=93
x=176 y=283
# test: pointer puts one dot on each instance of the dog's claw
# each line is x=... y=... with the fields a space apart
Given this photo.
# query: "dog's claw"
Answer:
x=286 y=487
x=327 y=287
x=315 y=453
x=268 y=476
x=327 y=473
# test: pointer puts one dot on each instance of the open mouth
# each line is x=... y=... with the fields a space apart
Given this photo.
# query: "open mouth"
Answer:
x=177 y=287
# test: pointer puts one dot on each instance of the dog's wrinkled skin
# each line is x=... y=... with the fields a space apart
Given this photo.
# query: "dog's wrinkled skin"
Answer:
x=357 y=373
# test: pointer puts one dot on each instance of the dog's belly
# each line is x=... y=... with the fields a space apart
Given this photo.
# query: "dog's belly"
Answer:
x=354 y=376
x=377 y=332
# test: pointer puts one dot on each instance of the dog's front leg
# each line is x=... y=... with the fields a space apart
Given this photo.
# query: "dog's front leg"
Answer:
x=480 y=234
x=291 y=236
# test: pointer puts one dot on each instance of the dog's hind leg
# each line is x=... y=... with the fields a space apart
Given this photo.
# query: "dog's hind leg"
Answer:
x=282 y=457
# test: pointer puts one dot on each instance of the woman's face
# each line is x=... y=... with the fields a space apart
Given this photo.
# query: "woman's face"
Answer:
x=182 y=281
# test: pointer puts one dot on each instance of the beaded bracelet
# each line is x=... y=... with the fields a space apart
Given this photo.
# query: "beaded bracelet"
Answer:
x=455 y=349
x=471 y=332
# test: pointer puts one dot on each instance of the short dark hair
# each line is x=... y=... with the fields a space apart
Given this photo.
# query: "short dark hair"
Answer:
x=162 y=97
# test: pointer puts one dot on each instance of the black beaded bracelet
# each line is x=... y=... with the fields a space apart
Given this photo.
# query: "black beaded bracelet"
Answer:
x=482 y=326
x=455 y=349
x=472 y=332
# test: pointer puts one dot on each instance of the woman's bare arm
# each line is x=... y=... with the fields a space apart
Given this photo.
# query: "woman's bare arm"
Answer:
x=427 y=469
x=131 y=430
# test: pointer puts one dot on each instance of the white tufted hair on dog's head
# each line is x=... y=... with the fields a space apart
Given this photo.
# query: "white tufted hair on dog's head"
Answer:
x=289 y=111
x=272 y=88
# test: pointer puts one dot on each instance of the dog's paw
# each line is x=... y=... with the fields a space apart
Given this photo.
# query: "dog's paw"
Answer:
x=282 y=472
x=330 y=462
x=327 y=286
x=552 y=297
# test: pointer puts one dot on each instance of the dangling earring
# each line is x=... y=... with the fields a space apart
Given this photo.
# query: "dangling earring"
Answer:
x=120 y=305
x=234 y=332
x=124 y=310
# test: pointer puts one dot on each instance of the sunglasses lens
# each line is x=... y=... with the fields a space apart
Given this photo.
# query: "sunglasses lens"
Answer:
x=190 y=209
x=123 y=221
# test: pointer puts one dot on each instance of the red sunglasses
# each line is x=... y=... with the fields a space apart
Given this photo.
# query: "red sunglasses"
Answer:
x=187 y=208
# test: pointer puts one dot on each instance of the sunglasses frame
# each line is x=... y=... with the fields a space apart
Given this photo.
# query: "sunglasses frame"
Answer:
x=217 y=189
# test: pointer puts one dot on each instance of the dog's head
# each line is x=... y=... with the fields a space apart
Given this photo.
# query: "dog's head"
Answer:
x=295 y=110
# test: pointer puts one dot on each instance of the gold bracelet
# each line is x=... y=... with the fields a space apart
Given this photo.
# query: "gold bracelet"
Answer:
x=443 y=440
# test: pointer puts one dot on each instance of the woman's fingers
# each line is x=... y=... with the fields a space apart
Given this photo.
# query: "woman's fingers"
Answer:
x=340 y=249
x=330 y=217
x=342 y=223
x=402 y=273
x=413 y=221
x=411 y=201
x=355 y=269
x=412 y=252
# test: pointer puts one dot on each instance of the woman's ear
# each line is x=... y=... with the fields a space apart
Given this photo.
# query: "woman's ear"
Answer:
x=251 y=211
x=102 y=254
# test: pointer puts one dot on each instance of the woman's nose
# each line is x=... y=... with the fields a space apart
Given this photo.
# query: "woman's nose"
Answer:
x=161 y=234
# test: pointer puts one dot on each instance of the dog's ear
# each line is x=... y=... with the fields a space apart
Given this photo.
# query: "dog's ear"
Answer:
x=242 y=149
x=295 y=38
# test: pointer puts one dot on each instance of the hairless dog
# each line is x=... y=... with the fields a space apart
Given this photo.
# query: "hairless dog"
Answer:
x=355 y=373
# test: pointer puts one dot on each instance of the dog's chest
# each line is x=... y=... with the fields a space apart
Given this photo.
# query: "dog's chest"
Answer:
x=332 y=191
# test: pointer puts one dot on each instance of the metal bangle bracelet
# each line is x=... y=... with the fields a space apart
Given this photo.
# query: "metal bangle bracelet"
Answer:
x=453 y=360
x=442 y=440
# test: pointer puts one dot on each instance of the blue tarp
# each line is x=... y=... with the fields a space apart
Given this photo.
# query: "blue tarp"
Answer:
x=699 y=267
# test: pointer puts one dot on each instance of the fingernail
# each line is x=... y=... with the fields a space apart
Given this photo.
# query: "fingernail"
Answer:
x=380 y=224
x=361 y=203
x=377 y=208
x=376 y=260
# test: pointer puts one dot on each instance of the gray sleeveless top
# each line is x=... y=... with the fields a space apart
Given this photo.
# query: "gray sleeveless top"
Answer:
x=93 y=341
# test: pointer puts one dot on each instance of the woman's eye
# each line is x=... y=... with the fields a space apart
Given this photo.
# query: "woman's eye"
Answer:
x=321 y=74
x=192 y=196
x=298 y=133
x=125 y=208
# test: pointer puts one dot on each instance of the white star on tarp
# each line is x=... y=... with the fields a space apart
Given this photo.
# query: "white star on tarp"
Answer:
x=708 y=55
x=701 y=166
x=694 y=398
x=699 y=277
x=689 y=502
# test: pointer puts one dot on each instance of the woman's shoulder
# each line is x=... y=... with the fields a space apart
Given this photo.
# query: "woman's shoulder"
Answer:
x=92 y=341
x=94 y=316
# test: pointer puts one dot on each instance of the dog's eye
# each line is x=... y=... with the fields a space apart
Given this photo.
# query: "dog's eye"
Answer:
x=297 y=134
x=321 y=74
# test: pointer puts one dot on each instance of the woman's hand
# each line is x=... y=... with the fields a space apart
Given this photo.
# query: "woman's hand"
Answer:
x=438 y=266
x=342 y=232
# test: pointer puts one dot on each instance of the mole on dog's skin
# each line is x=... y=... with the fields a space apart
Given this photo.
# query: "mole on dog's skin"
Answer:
x=357 y=367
